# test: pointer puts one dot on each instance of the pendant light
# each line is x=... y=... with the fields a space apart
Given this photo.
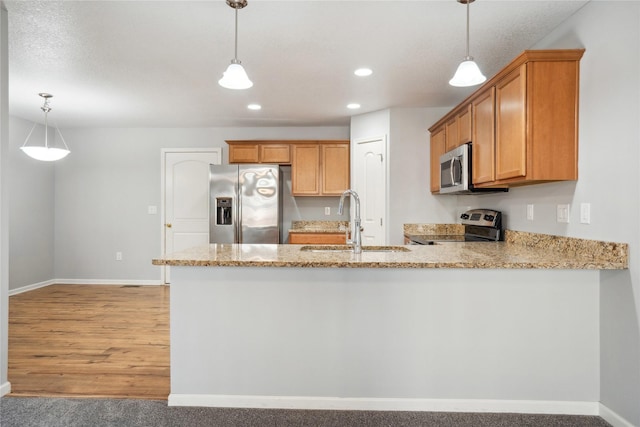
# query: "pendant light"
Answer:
x=45 y=152
x=468 y=73
x=235 y=77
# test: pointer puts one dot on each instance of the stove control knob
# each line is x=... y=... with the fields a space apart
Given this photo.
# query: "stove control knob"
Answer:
x=489 y=218
x=464 y=216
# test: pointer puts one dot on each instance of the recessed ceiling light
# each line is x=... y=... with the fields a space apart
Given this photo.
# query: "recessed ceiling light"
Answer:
x=363 y=72
x=353 y=106
x=254 y=107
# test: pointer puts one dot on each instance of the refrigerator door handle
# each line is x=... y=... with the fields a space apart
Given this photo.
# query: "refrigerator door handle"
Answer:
x=237 y=223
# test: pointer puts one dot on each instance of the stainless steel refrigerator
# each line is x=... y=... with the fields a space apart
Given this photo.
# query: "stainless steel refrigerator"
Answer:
x=244 y=204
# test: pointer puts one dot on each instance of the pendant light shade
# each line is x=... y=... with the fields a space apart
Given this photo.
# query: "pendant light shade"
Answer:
x=235 y=77
x=45 y=152
x=468 y=72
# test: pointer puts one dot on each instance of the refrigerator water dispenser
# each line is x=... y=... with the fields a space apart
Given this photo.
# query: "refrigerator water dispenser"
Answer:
x=224 y=206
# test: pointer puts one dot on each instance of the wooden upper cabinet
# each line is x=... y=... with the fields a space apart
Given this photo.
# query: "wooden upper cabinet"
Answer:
x=465 y=125
x=511 y=132
x=524 y=121
x=483 y=147
x=320 y=169
x=244 y=153
x=275 y=152
x=335 y=169
x=437 y=148
x=451 y=134
x=305 y=170
x=458 y=128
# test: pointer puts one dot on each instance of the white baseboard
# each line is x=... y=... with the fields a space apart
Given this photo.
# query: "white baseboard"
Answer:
x=31 y=287
x=108 y=282
x=84 y=282
x=613 y=418
x=383 y=404
x=5 y=389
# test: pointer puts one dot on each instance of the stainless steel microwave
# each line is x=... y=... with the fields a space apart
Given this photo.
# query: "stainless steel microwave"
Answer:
x=455 y=172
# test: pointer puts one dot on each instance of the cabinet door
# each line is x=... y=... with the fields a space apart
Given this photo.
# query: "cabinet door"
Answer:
x=437 y=149
x=275 y=153
x=511 y=143
x=243 y=153
x=464 y=125
x=305 y=170
x=451 y=134
x=317 y=238
x=335 y=169
x=483 y=146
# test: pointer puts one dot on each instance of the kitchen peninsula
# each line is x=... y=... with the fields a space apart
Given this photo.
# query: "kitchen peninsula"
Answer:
x=454 y=326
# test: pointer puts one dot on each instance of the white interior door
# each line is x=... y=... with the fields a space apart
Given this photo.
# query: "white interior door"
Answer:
x=370 y=175
x=186 y=199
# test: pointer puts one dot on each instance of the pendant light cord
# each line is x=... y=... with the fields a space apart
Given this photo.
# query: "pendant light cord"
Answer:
x=468 y=29
x=235 y=52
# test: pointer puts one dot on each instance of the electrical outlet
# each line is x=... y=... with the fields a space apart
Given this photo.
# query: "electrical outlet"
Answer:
x=118 y=256
x=585 y=213
x=152 y=210
x=562 y=213
x=327 y=210
x=530 y=212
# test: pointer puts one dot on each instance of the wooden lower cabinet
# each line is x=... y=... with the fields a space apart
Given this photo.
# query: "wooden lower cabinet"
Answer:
x=296 y=238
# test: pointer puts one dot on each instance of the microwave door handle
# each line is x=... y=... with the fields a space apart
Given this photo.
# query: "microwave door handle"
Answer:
x=453 y=179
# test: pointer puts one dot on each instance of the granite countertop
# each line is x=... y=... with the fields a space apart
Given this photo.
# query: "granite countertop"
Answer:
x=518 y=251
x=318 y=226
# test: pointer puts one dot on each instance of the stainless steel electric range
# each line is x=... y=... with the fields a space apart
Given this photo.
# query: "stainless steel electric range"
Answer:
x=480 y=225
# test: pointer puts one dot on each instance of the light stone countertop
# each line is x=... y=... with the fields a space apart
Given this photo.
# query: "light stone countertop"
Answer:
x=518 y=251
x=318 y=227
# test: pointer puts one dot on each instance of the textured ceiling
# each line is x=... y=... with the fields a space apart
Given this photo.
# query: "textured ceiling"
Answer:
x=157 y=63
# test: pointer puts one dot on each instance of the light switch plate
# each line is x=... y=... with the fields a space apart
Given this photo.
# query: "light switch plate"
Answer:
x=530 y=212
x=562 y=213
x=327 y=210
x=585 y=213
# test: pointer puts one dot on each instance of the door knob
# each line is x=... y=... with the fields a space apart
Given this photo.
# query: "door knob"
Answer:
x=168 y=225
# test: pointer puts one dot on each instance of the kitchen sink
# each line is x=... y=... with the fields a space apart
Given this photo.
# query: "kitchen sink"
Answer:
x=345 y=248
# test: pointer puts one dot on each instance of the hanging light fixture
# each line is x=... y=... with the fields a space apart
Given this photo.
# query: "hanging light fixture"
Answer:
x=235 y=77
x=468 y=73
x=45 y=152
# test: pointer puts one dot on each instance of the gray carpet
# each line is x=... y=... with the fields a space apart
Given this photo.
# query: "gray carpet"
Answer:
x=53 y=412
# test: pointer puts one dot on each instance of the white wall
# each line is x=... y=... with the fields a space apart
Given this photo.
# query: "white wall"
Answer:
x=409 y=190
x=609 y=179
x=31 y=235
x=4 y=200
x=408 y=172
x=103 y=189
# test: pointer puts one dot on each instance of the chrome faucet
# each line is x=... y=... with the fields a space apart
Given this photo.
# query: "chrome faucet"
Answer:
x=356 y=237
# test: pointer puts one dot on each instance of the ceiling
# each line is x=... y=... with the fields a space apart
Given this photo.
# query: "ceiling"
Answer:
x=157 y=63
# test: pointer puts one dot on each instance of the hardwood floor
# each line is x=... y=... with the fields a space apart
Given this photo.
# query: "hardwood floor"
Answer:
x=90 y=341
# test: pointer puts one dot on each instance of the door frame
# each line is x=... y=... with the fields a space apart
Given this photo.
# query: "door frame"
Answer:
x=163 y=163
